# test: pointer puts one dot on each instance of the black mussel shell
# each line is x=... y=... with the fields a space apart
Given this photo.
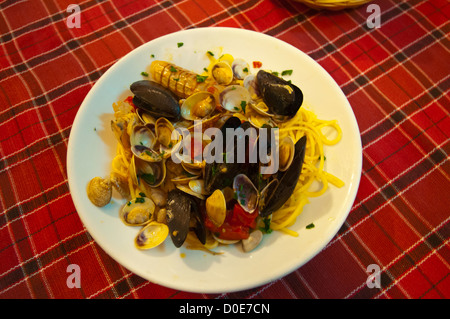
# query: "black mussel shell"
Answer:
x=156 y=99
x=198 y=217
x=281 y=97
x=181 y=209
x=178 y=216
x=287 y=181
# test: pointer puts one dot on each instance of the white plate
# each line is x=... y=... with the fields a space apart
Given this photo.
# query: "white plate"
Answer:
x=92 y=147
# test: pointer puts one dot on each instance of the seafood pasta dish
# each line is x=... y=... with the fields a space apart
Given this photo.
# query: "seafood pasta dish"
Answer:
x=222 y=157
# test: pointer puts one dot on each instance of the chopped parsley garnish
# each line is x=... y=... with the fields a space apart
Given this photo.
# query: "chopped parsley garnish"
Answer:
x=201 y=78
x=310 y=226
x=286 y=72
x=140 y=200
x=142 y=194
x=266 y=229
x=180 y=44
x=152 y=55
x=148 y=178
x=173 y=69
x=245 y=70
x=210 y=53
x=275 y=73
x=243 y=105
x=144 y=73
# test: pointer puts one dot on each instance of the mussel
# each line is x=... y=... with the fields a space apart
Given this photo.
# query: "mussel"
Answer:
x=281 y=97
x=155 y=99
x=183 y=213
x=286 y=181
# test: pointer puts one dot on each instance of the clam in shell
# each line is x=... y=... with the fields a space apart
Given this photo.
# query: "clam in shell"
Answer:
x=138 y=211
x=152 y=235
x=198 y=106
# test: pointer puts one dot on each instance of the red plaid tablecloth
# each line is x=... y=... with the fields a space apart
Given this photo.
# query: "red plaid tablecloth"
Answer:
x=396 y=78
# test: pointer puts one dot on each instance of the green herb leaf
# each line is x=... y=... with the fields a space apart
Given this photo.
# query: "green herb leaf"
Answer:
x=310 y=226
x=142 y=194
x=210 y=53
x=243 y=105
x=286 y=72
x=201 y=78
x=180 y=44
x=266 y=229
x=172 y=69
x=148 y=178
x=144 y=73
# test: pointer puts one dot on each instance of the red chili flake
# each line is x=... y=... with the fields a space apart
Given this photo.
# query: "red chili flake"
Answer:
x=257 y=64
x=129 y=100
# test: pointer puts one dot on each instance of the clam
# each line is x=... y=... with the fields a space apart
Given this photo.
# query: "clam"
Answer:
x=194 y=190
x=286 y=153
x=194 y=168
x=247 y=194
x=99 y=191
x=225 y=241
x=252 y=241
x=259 y=121
x=251 y=85
x=216 y=207
x=152 y=173
x=234 y=97
x=142 y=142
x=151 y=235
x=138 y=211
x=183 y=179
x=198 y=106
x=119 y=128
x=167 y=137
x=240 y=68
x=261 y=108
x=145 y=117
x=222 y=72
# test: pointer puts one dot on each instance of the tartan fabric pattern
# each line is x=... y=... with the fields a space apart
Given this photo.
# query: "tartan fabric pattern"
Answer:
x=396 y=78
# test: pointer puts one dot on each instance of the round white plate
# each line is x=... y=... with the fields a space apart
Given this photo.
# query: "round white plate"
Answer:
x=92 y=147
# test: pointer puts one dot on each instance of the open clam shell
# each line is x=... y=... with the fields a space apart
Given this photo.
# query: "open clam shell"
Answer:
x=240 y=68
x=151 y=235
x=234 y=97
x=286 y=153
x=222 y=72
x=151 y=173
x=167 y=137
x=247 y=194
x=198 y=106
x=142 y=142
x=216 y=207
x=138 y=211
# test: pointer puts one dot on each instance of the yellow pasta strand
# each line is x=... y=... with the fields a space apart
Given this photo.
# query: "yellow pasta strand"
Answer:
x=305 y=123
